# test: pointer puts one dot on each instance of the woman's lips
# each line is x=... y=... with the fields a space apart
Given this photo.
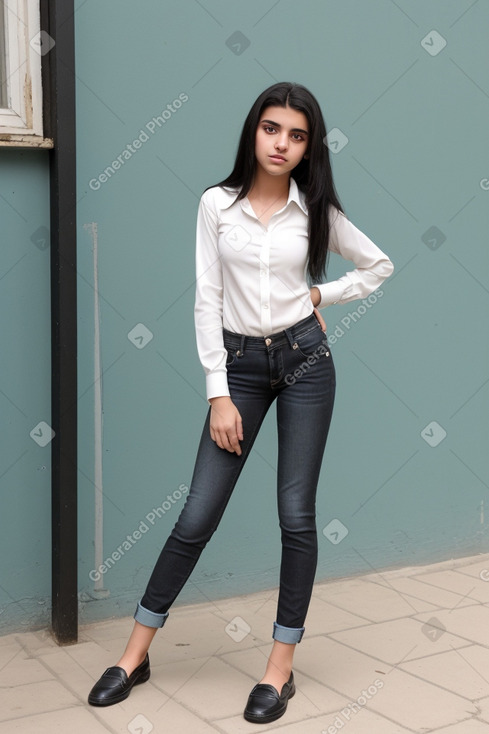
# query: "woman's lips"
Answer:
x=277 y=159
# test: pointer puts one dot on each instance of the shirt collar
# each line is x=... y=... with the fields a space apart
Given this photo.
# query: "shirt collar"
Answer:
x=295 y=194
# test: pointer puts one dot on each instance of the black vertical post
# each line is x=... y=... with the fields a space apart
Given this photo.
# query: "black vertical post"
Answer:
x=58 y=71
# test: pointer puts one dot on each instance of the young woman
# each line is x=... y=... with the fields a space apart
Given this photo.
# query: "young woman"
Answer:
x=263 y=235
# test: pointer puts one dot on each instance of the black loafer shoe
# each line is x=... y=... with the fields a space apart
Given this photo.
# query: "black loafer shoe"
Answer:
x=265 y=704
x=115 y=685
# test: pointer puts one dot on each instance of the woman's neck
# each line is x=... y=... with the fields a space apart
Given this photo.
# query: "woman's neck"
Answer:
x=266 y=187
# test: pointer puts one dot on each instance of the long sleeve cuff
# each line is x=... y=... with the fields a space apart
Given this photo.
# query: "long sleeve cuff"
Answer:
x=216 y=384
x=330 y=293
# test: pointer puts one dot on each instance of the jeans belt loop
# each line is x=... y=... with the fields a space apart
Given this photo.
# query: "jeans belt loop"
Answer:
x=242 y=345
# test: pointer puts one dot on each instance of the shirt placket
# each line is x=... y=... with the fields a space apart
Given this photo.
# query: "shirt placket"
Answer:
x=265 y=239
x=265 y=310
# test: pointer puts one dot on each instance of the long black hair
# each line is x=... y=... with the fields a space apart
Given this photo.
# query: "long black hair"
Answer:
x=313 y=175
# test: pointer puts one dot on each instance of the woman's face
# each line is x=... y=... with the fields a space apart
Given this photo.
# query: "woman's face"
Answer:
x=281 y=139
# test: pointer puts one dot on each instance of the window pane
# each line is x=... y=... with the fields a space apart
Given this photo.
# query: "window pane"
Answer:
x=3 y=58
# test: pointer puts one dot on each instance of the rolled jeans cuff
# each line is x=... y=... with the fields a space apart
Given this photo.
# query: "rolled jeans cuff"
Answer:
x=149 y=619
x=291 y=635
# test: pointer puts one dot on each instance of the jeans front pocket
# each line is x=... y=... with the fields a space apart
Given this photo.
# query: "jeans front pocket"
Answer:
x=312 y=343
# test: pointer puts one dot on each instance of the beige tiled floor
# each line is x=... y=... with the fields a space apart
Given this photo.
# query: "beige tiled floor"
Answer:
x=388 y=653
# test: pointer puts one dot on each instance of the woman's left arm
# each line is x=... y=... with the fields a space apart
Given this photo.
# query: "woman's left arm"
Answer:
x=372 y=265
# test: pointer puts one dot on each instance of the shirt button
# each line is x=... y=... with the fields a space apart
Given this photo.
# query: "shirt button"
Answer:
x=265 y=305
x=262 y=273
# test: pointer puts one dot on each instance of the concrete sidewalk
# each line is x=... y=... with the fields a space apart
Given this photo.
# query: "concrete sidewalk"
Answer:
x=388 y=653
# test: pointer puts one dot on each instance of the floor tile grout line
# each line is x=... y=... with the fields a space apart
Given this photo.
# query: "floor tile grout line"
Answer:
x=457 y=651
x=375 y=621
x=448 y=591
x=421 y=622
x=439 y=685
x=451 y=591
x=181 y=702
x=172 y=696
x=356 y=614
x=57 y=677
x=41 y=713
x=441 y=652
x=378 y=660
x=403 y=616
x=469 y=642
x=469 y=575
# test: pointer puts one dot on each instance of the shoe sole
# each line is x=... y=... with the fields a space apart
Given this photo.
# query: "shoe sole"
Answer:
x=121 y=696
x=267 y=719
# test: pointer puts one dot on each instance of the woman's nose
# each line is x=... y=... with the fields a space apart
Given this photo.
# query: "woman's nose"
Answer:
x=281 y=143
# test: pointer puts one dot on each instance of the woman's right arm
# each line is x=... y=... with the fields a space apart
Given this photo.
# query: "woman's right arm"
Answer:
x=226 y=426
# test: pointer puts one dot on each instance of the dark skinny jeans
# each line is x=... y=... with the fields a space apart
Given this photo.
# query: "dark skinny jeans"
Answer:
x=295 y=368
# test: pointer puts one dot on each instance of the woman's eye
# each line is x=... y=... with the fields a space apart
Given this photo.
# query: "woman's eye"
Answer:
x=296 y=136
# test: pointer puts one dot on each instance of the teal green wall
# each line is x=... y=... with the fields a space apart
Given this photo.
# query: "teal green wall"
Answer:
x=416 y=125
x=25 y=390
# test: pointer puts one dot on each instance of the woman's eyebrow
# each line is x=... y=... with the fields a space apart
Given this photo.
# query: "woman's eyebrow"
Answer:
x=294 y=129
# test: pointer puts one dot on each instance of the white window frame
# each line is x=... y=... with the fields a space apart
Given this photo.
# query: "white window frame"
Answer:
x=21 y=122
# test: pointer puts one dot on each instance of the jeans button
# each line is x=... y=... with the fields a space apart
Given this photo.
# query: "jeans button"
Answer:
x=268 y=342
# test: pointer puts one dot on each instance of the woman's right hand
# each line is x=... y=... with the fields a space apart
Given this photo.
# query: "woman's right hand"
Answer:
x=226 y=425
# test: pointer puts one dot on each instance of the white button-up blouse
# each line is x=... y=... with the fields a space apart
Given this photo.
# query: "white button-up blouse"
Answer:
x=251 y=279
